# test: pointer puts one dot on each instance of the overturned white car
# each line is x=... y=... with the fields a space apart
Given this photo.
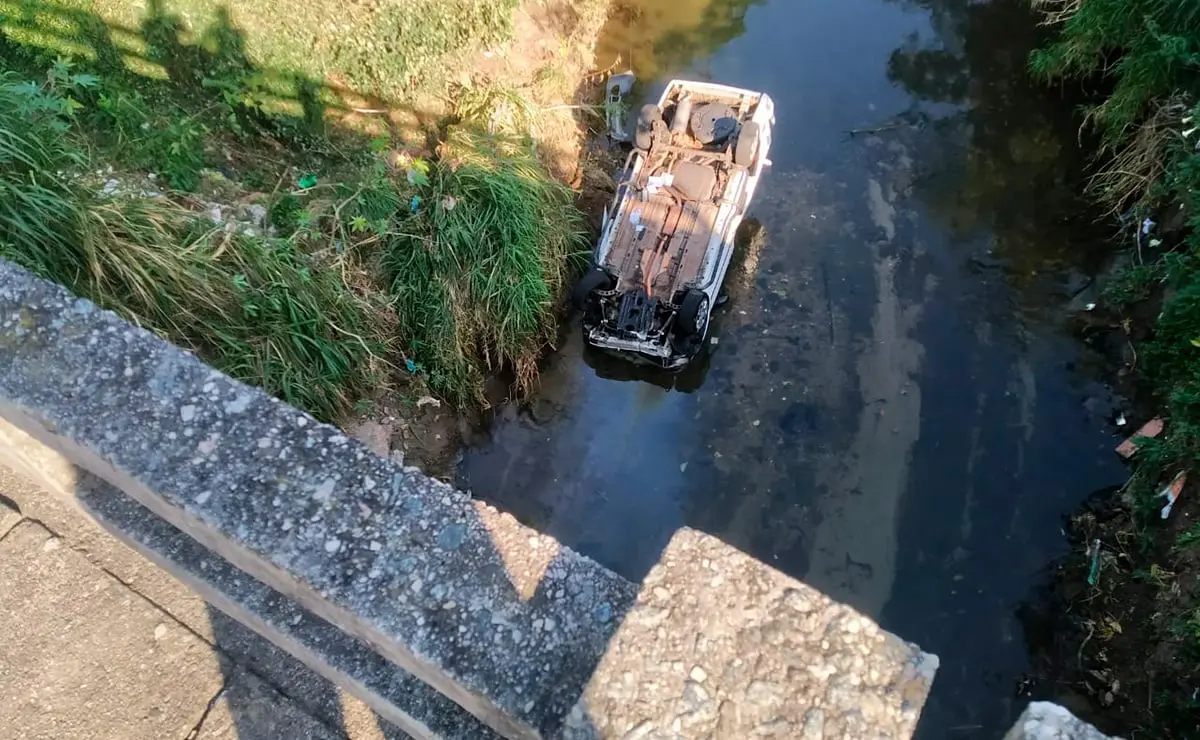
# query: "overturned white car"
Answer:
x=668 y=235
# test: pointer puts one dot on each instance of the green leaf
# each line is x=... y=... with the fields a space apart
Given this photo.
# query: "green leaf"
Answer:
x=84 y=80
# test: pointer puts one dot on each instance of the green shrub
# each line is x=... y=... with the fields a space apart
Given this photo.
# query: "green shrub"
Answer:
x=478 y=265
x=259 y=309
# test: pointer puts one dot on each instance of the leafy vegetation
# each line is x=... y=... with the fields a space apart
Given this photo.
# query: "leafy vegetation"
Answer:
x=478 y=266
x=258 y=308
x=1147 y=54
x=371 y=261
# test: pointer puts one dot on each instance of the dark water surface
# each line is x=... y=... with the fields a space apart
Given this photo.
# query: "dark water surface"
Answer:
x=894 y=412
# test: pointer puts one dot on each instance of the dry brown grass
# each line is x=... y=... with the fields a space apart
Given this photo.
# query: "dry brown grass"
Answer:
x=1055 y=12
x=1140 y=162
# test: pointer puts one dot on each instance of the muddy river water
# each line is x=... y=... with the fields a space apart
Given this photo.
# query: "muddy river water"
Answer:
x=894 y=410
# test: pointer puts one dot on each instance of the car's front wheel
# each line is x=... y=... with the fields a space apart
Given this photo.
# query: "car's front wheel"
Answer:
x=595 y=279
x=692 y=317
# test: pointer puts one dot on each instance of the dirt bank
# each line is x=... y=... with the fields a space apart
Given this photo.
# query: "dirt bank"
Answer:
x=1114 y=634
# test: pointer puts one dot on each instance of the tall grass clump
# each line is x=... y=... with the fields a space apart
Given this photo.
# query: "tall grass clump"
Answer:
x=477 y=267
x=259 y=309
x=1149 y=52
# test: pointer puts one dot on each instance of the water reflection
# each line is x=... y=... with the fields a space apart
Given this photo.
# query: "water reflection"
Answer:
x=889 y=413
x=1009 y=166
x=660 y=38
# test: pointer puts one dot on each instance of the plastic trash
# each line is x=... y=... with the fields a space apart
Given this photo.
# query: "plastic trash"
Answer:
x=1147 y=226
x=428 y=401
x=654 y=183
x=1094 y=563
x=1171 y=493
x=1149 y=430
x=414 y=204
x=410 y=366
x=307 y=181
x=1121 y=421
x=1090 y=307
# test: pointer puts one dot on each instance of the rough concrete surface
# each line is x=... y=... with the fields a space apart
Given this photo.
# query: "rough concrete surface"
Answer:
x=248 y=708
x=719 y=646
x=82 y=657
x=412 y=706
x=502 y=620
x=1045 y=721
x=239 y=647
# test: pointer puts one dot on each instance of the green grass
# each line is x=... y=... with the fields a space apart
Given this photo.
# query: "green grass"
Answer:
x=478 y=268
x=259 y=309
x=395 y=51
x=354 y=286
x=1146 y=53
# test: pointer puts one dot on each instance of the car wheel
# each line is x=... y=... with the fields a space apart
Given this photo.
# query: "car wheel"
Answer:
x=692 y=317
x=747 y=145
x=649 y=120
x=595 y=279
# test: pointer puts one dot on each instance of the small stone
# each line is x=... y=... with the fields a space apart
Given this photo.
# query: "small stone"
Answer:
x=376 y=545
x=203 y=498
x=814 y=725
x=208 y=446
x=661 y=593
x=537 y=623
x=698 y=674
x=187 y=413
x=52 y=544
x=324 y=491
x=332 y=545
x=449 y=605
x=417 y=586
x=160 y=631
x=757 y=422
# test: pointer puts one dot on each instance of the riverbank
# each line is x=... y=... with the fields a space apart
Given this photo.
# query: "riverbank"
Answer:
x=368 y=216
x=1129 y=598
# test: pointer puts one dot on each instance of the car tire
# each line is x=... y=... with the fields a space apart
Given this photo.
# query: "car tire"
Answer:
x=692 y=317
x=649 y=120
x=746 y=150
x=595 y=279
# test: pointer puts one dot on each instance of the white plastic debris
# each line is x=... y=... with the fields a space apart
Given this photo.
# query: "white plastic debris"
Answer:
x=1171 y=493
x=654 y=183
x=1121 y=420
x=1090 y=307
x=1147 y=226
x=428 y=401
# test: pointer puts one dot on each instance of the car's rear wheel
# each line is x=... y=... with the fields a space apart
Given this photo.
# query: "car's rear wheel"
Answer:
x=650 y=121
x=746 y=149
x=692 y=317
x=595 y=279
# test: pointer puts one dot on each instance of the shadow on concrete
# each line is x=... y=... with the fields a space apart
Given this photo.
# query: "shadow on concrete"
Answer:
x=212 y=70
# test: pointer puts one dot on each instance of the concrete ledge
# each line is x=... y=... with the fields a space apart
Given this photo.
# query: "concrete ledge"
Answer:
x=1046 y=721
x=404 y=563
x=523 y=634
x=397 y=696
